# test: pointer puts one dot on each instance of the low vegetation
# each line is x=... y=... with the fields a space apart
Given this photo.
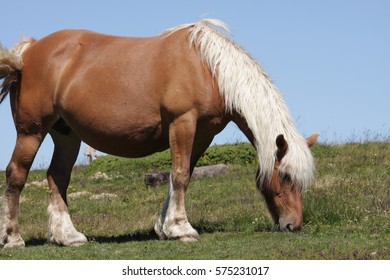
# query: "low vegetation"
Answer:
x=346 y=210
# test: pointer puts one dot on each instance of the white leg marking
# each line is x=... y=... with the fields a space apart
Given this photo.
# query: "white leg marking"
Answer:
x=3 y=221
x=9 y=241
x=172 y=222
x=61 y=228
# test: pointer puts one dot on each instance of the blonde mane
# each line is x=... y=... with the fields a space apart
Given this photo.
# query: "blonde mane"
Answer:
x=248 y=90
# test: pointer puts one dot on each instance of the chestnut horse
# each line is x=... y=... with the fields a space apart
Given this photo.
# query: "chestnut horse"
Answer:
x=132 y=97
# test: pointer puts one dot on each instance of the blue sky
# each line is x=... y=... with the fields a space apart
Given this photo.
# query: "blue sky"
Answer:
x=330 y=59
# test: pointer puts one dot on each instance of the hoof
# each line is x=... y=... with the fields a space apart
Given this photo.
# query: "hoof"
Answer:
x=184 y=232
x=188 y=239
x=75 y=240
x=168 y=230
x=77 y=244
x=17 y=243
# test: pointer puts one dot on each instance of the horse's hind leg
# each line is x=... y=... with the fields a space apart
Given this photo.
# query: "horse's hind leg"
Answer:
x=66 y=148
x=16 y=174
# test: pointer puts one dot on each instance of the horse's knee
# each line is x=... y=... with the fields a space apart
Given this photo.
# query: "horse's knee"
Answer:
x=180 y=179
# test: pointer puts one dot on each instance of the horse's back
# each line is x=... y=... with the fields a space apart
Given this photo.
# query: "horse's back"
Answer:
x=115 y=63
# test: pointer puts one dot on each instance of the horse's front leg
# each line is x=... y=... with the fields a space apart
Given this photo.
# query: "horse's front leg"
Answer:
x=173 y=222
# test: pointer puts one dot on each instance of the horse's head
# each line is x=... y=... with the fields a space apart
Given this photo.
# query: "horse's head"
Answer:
x=282 y=196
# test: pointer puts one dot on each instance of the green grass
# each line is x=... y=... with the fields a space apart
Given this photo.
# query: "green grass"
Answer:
x=346 y=210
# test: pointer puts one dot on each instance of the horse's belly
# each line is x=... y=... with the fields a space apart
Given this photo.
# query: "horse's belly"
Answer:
x=124 y=139
x=131 y=149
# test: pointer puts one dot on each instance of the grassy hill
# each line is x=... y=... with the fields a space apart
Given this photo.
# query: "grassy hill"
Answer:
x=346 y=210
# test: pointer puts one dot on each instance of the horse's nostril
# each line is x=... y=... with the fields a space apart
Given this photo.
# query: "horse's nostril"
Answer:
x=290 y=227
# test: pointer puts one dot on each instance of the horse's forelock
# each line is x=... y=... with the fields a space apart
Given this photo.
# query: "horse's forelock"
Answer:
x=298 y=163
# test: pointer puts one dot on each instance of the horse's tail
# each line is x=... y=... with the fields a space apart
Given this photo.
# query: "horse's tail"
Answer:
x=11 y=65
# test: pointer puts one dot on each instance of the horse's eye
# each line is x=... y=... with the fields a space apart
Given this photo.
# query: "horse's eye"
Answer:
x=285 y=177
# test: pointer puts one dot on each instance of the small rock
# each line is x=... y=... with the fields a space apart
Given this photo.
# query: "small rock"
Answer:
x=42 y=183
x=78 y=194
x=101 y=175
x=103 y=196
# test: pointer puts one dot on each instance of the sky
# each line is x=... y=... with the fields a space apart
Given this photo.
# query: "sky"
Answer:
x=330 y=59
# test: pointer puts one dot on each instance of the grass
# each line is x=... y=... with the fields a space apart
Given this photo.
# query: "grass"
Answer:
x=346 y=210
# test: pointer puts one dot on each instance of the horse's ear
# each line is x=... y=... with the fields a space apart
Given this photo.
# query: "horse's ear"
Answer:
x=282 y=145
x=312 y=139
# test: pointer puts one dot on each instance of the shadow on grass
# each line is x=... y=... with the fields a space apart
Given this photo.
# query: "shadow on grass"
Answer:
x=131 y=237
x=36 y=241
x=207 y=227
x=212 y=227
x=149 y=235
x=138 y=236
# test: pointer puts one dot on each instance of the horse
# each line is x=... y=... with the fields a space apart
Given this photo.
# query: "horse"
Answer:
x=132 y=97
